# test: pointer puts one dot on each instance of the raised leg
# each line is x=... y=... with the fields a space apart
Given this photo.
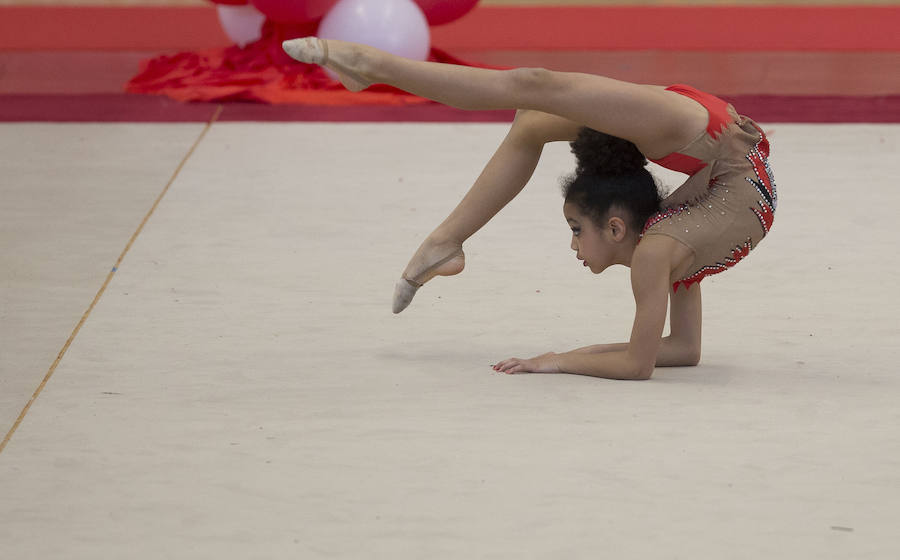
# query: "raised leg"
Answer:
x=630 y=111
x=463 y=87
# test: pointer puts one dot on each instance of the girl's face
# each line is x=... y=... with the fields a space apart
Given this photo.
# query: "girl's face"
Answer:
x=596 y=247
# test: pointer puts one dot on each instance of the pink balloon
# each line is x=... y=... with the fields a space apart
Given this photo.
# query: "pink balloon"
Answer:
x=439 y=12
x=293 y=11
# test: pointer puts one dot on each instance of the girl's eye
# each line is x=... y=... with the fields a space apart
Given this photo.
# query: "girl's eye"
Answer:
x=575 y=231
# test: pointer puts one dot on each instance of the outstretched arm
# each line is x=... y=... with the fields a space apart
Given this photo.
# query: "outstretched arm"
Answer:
x=649 y=282
x=650 y=278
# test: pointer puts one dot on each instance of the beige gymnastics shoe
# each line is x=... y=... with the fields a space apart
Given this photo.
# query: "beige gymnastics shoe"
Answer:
x=406 y=287
x=313 y=50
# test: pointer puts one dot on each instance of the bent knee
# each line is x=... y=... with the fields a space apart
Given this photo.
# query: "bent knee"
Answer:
x=529 y=125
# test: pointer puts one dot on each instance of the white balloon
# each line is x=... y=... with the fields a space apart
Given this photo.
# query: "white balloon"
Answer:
x=242 y=24
x=396 y=26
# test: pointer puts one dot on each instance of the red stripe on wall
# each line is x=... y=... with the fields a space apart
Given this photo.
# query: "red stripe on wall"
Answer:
x=490 y=27
x=143 y=28
x=677 y=28
x=150 y=108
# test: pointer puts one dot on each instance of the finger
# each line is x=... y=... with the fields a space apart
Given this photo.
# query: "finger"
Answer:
x=501 y=365
x=511 y=364
x=518 y=368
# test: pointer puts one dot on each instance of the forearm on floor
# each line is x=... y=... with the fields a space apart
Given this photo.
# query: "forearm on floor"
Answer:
x=602 y=348
x=672 y=353
x=608 y=365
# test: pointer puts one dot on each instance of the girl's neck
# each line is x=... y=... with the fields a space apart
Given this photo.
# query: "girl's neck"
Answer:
x=627 y=249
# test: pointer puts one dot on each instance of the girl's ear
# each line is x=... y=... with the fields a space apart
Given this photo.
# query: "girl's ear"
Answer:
x=617 y=228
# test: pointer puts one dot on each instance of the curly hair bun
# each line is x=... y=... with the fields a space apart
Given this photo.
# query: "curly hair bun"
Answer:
x=603 y=155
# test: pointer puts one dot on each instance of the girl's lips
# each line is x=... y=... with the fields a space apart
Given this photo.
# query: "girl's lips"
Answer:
x=585 y=263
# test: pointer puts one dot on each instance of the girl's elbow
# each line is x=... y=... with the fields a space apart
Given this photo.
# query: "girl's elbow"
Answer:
x=692 y=357
x=638 y=367
x=642 y=372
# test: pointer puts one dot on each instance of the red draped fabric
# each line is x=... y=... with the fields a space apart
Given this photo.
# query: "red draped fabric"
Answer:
x=260 y=72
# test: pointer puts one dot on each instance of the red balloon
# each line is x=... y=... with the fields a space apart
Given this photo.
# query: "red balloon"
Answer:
x=444 y=11
x=231 y=2
x=293 y=11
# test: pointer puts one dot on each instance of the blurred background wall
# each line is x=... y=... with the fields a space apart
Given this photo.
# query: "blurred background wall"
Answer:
x=492 y=2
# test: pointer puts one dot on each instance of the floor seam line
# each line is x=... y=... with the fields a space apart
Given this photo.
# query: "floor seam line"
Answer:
x=108 y=279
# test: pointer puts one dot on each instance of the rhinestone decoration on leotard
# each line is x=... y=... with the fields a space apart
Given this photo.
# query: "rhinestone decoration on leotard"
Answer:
x=737 y=254
x=765 y=215
x=665 y=214
x=764 y=183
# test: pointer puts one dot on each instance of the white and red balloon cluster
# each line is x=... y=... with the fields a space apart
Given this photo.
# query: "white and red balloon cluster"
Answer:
x=397 y=26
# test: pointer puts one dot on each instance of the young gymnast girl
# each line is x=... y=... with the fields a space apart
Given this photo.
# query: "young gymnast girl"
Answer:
x=706 y=225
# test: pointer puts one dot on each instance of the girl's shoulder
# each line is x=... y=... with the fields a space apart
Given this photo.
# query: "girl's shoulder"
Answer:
x=659 y=253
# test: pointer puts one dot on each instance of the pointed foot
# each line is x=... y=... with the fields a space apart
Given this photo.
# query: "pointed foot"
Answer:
x=404 y=291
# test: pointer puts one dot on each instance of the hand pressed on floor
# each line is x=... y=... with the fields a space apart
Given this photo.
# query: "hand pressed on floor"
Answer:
x=545 y=363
